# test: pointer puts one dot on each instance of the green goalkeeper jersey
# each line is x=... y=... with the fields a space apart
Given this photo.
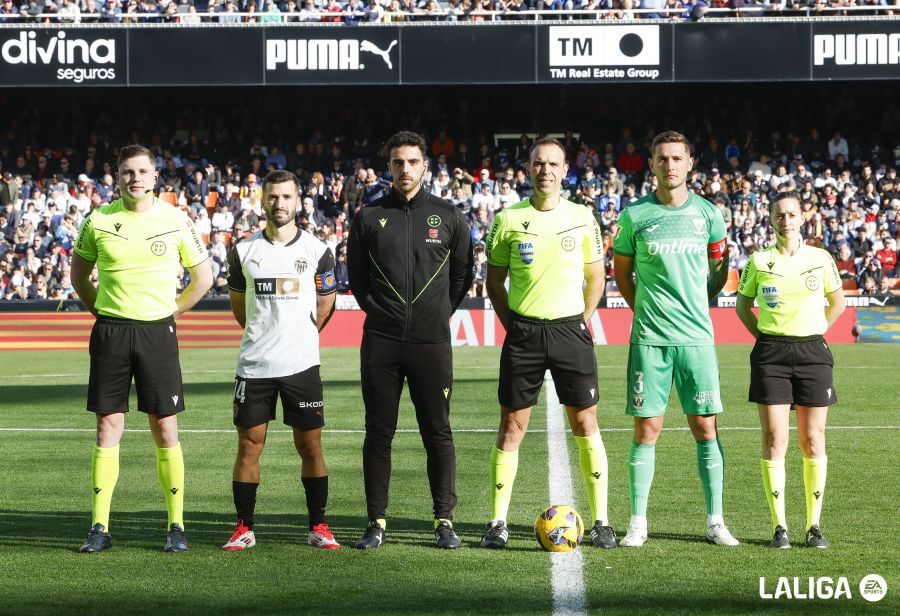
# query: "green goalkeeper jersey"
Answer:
x=669 y=246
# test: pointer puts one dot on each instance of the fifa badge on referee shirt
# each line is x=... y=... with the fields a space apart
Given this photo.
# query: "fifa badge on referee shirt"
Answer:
x=526 y=252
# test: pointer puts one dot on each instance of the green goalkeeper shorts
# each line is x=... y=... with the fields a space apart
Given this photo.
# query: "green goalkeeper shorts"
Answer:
x=652 y=370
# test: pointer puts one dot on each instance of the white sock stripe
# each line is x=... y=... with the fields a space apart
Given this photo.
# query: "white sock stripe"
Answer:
x=566 y=568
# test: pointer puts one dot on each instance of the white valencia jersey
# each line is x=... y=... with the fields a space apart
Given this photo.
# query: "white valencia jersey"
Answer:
x=280 y=283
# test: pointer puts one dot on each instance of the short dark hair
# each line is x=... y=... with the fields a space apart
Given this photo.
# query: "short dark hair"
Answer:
x=133 y=151
x=784 y=196
x=406 y=138
x=280 y=176
x=547 y=141
x=670 y=136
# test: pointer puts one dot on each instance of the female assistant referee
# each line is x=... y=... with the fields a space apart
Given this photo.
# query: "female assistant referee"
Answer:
x=799 y=293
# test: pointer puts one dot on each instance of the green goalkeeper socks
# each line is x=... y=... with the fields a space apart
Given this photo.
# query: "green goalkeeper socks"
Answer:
x=170 y=470
x=104 y=475
x=504 y=465
x=641 y=465
x=592 y=460
x=711 y=466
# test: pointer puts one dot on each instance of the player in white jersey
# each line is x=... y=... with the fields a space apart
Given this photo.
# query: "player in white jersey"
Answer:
x=282 y=289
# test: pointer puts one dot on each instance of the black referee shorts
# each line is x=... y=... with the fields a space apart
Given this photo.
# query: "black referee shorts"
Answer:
x=122 y=349
x=563 y=346
x=792 y=370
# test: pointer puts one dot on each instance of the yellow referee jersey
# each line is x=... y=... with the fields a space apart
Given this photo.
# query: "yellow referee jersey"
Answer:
x=138 y=257
x=546 y=252
x=790 y=290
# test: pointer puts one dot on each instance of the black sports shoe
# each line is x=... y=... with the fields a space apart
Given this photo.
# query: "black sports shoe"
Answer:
x=603 y=536
x=445 y=536
x=814 y=538
x=496 y=535
x=372 y=538
x=780 y=540
x=176 y=539
x=97 y=540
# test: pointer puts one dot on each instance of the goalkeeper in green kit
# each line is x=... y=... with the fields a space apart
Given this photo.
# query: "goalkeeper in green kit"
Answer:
x=674 y=241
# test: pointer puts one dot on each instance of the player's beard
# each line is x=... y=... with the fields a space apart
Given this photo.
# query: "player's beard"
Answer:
x=287 y=218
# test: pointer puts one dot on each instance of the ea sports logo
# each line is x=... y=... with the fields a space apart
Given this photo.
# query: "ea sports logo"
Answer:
x=158 y=248
x=873 y=587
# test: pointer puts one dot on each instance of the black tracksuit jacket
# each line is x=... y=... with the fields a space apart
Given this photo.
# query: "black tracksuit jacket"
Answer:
x=410 y=266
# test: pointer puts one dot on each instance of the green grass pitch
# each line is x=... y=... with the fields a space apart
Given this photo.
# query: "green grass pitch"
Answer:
x=45 y=504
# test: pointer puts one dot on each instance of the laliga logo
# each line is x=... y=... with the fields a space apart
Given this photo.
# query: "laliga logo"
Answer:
x=872 y=588
x=25 y=49
x=323 y=54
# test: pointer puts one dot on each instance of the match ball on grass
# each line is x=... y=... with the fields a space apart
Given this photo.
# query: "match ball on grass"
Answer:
x=559 y=529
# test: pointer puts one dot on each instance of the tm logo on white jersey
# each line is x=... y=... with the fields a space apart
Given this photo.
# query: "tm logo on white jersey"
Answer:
x=323 y=54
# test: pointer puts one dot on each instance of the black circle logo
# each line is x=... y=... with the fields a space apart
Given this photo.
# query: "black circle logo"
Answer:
x=158 y=248
x=568 y=243
x=631 y=45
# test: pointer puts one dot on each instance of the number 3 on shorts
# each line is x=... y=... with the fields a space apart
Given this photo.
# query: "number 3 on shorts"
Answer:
x=638 y=382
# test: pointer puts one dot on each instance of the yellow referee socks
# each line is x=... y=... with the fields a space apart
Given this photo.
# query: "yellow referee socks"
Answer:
x=104 y=475
x=773 y=483
x=504 y=466
x=594 y=470
x=170 y=470
x=814 y=473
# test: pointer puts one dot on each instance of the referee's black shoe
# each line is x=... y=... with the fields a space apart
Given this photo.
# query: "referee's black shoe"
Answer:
x=603 y=536
x=496 y=536
x=445 y=536
x=815 y=539
x=97 y=540
x=372 y=538
x=176 y=539
x=780 y=539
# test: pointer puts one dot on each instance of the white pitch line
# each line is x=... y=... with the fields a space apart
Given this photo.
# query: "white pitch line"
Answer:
x=566 y=568
x=414 y=431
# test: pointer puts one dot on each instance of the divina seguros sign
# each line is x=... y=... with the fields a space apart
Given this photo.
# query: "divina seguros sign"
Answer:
x=62 y=57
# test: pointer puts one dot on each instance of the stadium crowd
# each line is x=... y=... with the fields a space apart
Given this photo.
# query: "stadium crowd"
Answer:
x=354 y=12
x=850 y=197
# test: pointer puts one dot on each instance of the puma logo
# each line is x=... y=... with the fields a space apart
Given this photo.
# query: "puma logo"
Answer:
x=369 y=47
x=256 y=262
x=651 y=228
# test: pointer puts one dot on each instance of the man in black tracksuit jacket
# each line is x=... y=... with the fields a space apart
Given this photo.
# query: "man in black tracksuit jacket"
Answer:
x=410 y=264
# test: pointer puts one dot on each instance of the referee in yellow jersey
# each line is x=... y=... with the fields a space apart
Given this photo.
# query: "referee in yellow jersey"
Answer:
x=138 y=244
x=553 y=253
x=799 y=292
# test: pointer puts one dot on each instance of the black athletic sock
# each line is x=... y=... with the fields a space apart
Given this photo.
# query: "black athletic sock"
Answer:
x=316 y=489
x=244 y=501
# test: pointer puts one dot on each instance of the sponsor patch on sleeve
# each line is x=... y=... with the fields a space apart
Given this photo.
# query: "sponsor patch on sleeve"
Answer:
x=326 y=282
